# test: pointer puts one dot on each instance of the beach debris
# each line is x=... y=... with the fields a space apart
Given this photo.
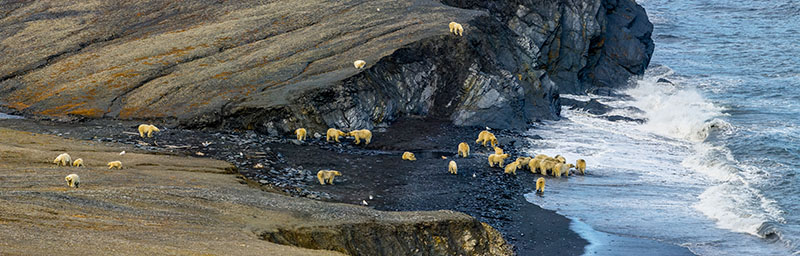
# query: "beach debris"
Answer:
x=258 y=166
x=122 y=153
x=200 y=153
x=473 y=175
x=206 y=143
x=444 y=157
x=370 y=197
x=364 y=202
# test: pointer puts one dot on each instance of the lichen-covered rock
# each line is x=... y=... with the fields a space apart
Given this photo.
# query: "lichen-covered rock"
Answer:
x=273 y=66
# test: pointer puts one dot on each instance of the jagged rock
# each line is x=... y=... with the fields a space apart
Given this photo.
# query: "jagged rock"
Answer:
x=274 y=66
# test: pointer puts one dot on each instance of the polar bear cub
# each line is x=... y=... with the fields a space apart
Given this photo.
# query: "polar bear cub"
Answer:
x=63 y=159
x=409 y=156
x=147 y=129
x=73 y=180
x=359 y=64
x=463 y=149
x=452 y=167
x=113 y=164
x=456 y=28
x=78 y=163
x=301 y=133
x=326 y=176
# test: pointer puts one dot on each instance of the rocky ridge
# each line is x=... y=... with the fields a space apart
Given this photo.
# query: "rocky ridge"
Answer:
x=272 y=66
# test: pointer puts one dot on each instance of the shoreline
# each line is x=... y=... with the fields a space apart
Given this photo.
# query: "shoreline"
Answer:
x=492 y=197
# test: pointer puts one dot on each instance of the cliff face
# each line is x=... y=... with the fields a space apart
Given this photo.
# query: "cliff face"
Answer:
x=276 y=65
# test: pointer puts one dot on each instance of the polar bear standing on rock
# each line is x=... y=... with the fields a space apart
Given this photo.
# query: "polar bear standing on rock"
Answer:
x=301 y=133
x=497 y=159
x=463 y=149
x=335 y=134
x=113 y=164
x=409 y=156
x=148 y=129
x=73 y=180
x=512 y=168
x=326 y=176
x=359 y=135
x=63 y=159
x=359 y=64
x=486 y=136
x=456 y=28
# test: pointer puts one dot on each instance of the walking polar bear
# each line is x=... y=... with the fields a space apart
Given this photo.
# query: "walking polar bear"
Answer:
x=456 y=28
x=326 y=176
x=147 y=129
x=73 y=180
x=486 y=137
x=452 y=167
x=301 y=134
x=497 y=159
x=463 y=149
x=63 y=159
x=540 y=185
x=335 y=134
x=365 y=135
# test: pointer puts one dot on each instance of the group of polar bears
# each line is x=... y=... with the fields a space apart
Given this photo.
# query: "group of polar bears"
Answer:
x=73 y=180
x=333 y=134
x=555 y=166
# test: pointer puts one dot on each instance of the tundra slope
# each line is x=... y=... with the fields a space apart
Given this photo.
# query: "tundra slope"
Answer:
x=274 y=66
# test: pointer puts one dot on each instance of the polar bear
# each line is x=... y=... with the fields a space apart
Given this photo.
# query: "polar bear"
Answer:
x=560 y=159
x=359 y=64
x=581 y=166
x=533 y=165
x=512 y=168
x=456 y=28
x=326 y=176
x=523 y=161
x=365 y=135
x=452 y=167
x=486 y=137
x=78 y=162
x=498 y=150
x=540 y=185
x=73 y=180
x=334 y=133
x=463 y=149
x=113 y=164
x=148 y=129
x=546 y=165
x=409 y=156
x=301 y=134
x=63 y=159
x=497 y=159
x=561 y=168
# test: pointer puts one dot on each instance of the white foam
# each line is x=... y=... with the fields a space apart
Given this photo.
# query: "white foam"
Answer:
x=662 y=176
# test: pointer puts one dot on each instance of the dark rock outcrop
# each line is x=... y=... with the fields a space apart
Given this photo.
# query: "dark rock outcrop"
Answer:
x=276 y=65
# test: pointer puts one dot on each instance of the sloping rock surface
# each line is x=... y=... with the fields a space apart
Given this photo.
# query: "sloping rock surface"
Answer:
x=276 y=65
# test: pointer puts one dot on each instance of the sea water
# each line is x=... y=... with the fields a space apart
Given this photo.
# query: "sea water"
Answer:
x=714 y=167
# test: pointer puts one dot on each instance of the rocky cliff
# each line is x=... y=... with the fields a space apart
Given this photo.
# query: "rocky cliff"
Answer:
x=276 y=65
